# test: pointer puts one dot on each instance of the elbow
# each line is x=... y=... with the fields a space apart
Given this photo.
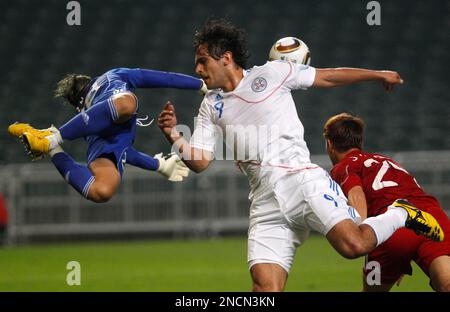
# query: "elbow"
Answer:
x=199 y=166
x=197 y=170
x=199 y=160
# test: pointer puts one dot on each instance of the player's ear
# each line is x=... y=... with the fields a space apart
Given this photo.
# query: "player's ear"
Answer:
x=328 y=145
x=227 y=58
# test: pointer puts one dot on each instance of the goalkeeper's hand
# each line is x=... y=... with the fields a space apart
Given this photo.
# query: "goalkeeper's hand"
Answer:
x=203 y=89
x=172 y=167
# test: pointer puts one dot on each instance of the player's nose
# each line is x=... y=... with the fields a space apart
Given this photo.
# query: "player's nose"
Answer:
x=198 y=69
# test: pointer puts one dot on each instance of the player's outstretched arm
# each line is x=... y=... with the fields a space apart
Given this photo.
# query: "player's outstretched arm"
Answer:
x=196 y=159
x=141 y=160
x=145 y=78
x=170 y=166
x=332 y=77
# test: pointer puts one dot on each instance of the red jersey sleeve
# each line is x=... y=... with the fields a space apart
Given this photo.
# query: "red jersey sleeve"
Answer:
x=346 y=174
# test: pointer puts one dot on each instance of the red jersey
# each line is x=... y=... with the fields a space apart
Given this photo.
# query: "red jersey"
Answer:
x=3 y=211
x=382 y=179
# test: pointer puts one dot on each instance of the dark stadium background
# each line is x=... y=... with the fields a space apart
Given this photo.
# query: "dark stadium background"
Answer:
x=37 y=48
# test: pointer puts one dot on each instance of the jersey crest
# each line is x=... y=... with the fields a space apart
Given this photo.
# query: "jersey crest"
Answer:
x=259 y=84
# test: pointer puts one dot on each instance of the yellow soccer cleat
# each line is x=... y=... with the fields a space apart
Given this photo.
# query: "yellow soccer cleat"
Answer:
x=35 y=142
x=420 y=221
x=17 y=129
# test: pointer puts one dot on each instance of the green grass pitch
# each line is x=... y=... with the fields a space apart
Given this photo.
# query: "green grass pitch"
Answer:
x=183 y=265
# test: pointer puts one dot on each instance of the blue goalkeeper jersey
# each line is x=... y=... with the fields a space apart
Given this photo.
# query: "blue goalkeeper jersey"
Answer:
x=115 y=140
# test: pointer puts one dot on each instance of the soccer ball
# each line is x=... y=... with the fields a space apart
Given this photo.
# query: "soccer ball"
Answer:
x=290 y=49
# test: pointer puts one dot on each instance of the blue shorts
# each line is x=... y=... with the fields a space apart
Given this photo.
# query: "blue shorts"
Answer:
x=113 y=144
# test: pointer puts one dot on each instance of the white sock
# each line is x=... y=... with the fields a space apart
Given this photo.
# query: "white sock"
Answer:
x=384 y=225
x=55 y=139
x=55 y=150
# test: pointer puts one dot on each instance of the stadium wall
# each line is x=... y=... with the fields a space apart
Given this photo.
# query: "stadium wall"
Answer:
x=42 y=207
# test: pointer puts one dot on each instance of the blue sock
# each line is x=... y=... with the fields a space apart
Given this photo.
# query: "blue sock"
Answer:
x=80 y=177
x=97 y=118
x=141 y=160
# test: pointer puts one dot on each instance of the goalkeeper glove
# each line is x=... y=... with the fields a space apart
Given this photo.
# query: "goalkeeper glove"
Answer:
x=172 y=167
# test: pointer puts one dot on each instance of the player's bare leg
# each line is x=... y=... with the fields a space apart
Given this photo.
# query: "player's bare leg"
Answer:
x=268 y=277
x=107 y=179
x=43 y=141
x=126 y=105
x=440 y=273
x=351 y=240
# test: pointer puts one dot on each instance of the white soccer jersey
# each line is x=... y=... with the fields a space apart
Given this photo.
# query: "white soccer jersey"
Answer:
x=258 y=120
x=290 y=196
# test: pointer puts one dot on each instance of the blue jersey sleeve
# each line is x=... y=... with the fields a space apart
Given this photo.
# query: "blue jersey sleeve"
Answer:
x=141 y=160
x=145 y=78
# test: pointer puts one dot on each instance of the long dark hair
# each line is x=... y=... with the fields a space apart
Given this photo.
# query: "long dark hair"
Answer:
x=221 y=36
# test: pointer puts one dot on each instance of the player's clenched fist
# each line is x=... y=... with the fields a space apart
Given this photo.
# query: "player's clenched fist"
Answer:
x=167 y=119
x=389 y=79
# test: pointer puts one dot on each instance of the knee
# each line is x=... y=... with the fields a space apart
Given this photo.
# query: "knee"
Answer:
x=268 y=277
x=100 y=193
x=266 y=287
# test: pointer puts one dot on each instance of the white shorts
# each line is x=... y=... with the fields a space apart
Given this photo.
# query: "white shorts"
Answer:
x=281 y=220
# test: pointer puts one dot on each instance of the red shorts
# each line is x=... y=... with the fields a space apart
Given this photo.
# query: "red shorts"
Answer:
x=395 y=254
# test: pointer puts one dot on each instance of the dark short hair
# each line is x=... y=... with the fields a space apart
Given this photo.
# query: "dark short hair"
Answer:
x=221 y=36
x=345 y=131
x=71 y=87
